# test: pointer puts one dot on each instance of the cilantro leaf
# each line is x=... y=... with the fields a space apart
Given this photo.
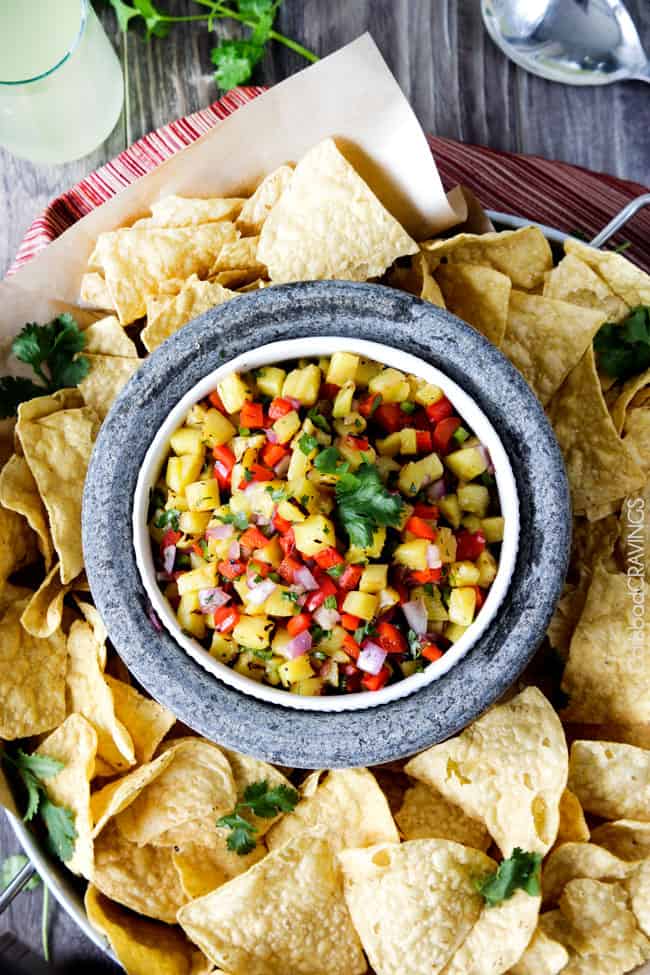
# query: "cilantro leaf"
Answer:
x=168 y=519
x=61 y=830
x=623 y=350
x=155 y=21
x=336 y=571
x=261 y=801
x=364 y=504
x=241 y=838
x=329 y=461
x=11 y=866
x=124 y=13
x=318 y=419
x=234 y=61
x=521 y=871
x=307 y=443
x=59 y=821
x=14 y=391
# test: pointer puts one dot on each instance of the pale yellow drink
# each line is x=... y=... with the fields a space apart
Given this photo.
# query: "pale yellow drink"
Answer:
x=61 y=86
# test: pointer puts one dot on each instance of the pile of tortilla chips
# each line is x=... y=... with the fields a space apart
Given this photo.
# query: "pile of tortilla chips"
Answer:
x=374 y=870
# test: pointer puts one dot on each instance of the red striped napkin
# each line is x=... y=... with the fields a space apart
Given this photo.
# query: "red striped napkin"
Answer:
x=570 y=198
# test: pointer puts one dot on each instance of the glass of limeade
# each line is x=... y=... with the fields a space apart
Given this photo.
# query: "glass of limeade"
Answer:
x=61 y=85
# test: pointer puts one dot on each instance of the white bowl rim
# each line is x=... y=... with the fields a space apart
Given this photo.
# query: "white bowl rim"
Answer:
x=315 y=346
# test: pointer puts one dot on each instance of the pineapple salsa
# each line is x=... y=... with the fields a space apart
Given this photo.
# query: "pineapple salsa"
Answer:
x=329 y=527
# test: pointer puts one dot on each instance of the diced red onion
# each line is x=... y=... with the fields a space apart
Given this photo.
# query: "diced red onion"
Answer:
x=372 y=657
x=305 y=579
x=326 y=618
x=234 y=551
x=152 y=616
x=295 y=403
x=416 y=615
x=260 y=520
x=271 y=436
x=433 y=557
x=298 y=646
x=261 y=592
x=282 y=466
x=221 y=468
x=169 y=558
x=220 y=531
x=211 y=599
x=437 y=490
x=485 y=454
x=329 y=671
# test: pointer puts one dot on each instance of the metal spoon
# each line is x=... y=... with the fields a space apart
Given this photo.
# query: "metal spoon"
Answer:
x=579 y=42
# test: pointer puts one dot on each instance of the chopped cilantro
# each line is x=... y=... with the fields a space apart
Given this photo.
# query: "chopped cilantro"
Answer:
x=368 y=629
x=364 y=504
x=336 y=571
x=239 y=519
x=415 y=644
x=318 y=419
x=521 y=871
x=307 y=443
x=34 y=769
x=168 y=519
x=293 y=596
x=277 y=494
x=623 y=350
x=330 y=602
x=407 y=407
x=248 y=475
x=261 y=800
x=329 y=461
x=244 y=432
x=461 y=435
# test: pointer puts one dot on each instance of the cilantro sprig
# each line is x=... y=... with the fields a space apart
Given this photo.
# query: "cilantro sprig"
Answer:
x=623 y=350
x=52 y=351
x=364 y=504
x=261 y=800
x=10 y=868
x=34 y=770
x=234 y=60
x=521 y=871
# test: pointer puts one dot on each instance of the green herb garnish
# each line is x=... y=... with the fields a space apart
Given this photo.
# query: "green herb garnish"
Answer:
x=461 y=435
x=330 y=602
x=364 y=504
x=263 y=801
x=623 y=350
x=521 y=871
x=407 y=407
x=238 y=519
x=307 y=443
x=168 y=519
x=336 y=571
x=34 y=770
x=318 y=419
x=329 y=461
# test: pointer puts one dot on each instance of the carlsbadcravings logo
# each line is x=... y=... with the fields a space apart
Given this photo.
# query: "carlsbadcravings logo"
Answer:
x=635 y=559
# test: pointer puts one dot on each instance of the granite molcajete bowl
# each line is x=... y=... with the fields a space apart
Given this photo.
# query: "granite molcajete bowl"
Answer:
x=505 y=637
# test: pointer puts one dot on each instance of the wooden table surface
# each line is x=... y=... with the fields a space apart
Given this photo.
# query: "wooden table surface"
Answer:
x=460 y=86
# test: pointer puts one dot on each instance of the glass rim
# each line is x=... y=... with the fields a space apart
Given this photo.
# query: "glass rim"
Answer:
x=68 y=54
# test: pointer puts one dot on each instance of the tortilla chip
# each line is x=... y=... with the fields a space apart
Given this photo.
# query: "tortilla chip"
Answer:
x=242 y=279
x=18 y=492
x=599 y=465
x=94 y=620
x=57 y=448
x=499 y=938
x=478 y=295
x=196 y=788
x=625 y=838
x=141 y=946
x=566 y=614
x=417 y=279
x=195 y=298
x=89 y=694
x=107 y=376
x=204 y=868
x=32 y=678
x=523 y=255
x=257 y=208
x=239 y=254
x=624 y=278
x=146 y=721
x=572 y=280
x=600 y=773
x=545 y=339
x=414 y=904
x=246 y=771
x=636 y=437
x=285 y=914
x=329 y=224
x=638 y=888
x=508 y=770
x=607 y=676
x=116 y=796
x=577 y=860
x=107 y=337
x=143 y=878
x=18 y=543
x=94 y=291
x=543 y=956
x=74 y=743
x=601 y=918
x=573 y=825
x=137 y=262
x=426 y=814
x=180 y=211
x=43 y=614
x=347 y=808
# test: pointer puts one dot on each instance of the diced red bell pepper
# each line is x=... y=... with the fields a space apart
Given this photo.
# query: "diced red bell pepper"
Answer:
x=469 y=545
x=287 y=569
x=315 y=599
x=390 y=639
x=420 y=528
x=443 y=433
x=328 y=391
x=374 y=682
x=297 y=624
x=256 y=472
x=280 y=524
x=369 y=404
x=196 y=548
x=279 y=407
x=259 y=568
x=287 y=541
x=272 y=453
x=423 y=441
x=431 y=652
x=231 y=569
x=423 y=576
x=253 y=538
x=251 y=415
x=429 y=511
x=224 y=461
x=350 y=622
x=215 y=400
x=170 y=538
x=328 y=557
x=351 y=646
x=226 y=618
x=480 y=597
x=359 y=443
x=391 y=417
x=440 y=410
x=349 y=578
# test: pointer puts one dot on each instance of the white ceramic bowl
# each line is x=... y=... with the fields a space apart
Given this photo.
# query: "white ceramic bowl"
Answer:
x=314 y=347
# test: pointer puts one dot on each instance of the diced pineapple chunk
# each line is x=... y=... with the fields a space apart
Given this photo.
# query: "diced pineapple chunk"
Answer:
x=462 y=604
x=463 y=574
x=352 y=454
x=387 y=597
x=217 y=428
x=308 y=495
x=290 y=511
x=471 y=522
x=385 y=466
x=280 y=640
x=223 y=648
x=426 y=393
x=487 y=567
x=342 y=368
x=493 y=529
x=294 y=670
x=303 y=384
x=432 y=599
x=271 y=553
x=314 y=534
x=243 y=445
x=196 y=416
x=374 y=578
x=474 y=498
x=249 y=666
x=351 y=424
x=408 y=441
x=450 y=508
x=390 y=445
x=446 y=542
x=362 y=604
x=308 y=688
x=187 y=440
x=190 y=620
x=467 y=463
x=454 y=631
x=269 y=380
x=391 y=384
x=331 y=642
x=285 y=426
x=361 y=553
x=253 y=631
x=243 y=591
x=194 y=522
x=181 y=471
x=203 y=578
x=279 y=603
x=412 y=554
x=298 y=465
x=233 y=392
x=203 y=495
x=343 y=401
x=366 y=369
x=416 y=474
